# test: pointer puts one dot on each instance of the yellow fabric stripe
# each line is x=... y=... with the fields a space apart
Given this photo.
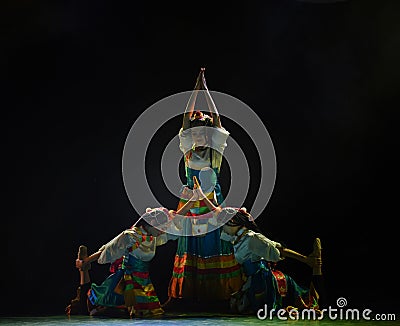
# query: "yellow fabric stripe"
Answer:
x=187 y=258
x=204 y=263
x=207 y=265
x=146 y=288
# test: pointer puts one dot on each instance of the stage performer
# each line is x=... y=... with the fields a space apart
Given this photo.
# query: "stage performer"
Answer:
x=128 y=291
x=205 y=268
x=265 y=286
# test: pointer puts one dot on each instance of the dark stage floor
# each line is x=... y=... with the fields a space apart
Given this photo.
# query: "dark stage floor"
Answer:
x=183 y=319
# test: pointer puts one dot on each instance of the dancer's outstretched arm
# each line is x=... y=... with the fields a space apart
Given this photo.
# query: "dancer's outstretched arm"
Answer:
x=81 y=263
x=185 y=208
x=178 y=215
x=313 y=260
x=210 y=102
x=289 y=253
x=192 y=100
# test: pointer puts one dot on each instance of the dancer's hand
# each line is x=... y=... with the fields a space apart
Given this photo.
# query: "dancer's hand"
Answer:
x=198 y=193
x=176 y=218
x=199 y=80
x=80 y=264
x=187 y=193
x=195 y=195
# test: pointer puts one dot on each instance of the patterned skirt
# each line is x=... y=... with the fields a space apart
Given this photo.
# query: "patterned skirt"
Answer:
x=128 y=287
x=276 y=290
x=205 y=267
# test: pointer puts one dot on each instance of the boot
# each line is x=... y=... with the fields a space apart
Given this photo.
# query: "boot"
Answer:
x=317 y=253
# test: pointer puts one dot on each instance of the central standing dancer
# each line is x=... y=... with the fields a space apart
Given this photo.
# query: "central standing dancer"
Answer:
x=205 y=268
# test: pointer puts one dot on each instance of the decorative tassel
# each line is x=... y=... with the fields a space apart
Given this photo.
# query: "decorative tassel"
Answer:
x=120 y=287
x=129 y=294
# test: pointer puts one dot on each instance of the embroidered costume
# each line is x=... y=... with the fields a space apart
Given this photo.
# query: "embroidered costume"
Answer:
x=130 y=284
x=204 y=267
x=264 y=284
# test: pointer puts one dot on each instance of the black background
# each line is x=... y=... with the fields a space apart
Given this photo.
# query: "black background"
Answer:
x=322 y=77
